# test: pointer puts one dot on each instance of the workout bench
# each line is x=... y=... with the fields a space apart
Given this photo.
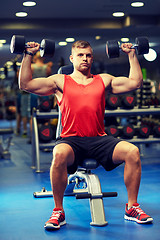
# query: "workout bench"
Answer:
x=83 y=183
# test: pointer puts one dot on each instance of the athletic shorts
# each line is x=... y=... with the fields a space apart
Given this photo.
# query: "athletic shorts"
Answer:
x=99 y=147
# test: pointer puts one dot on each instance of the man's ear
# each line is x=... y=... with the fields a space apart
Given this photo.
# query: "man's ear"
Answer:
x=71 y=58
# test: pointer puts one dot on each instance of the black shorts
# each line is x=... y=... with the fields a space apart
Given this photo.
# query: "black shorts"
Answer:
x=100 y=148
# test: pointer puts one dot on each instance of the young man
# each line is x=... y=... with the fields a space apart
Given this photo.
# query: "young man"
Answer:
x=81 y=97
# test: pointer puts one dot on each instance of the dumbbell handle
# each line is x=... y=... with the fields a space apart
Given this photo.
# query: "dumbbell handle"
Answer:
x=28 y=46
x=134 y=46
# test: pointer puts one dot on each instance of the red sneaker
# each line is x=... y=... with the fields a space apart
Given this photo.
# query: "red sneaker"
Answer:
x=56 y=220
x=135 y=213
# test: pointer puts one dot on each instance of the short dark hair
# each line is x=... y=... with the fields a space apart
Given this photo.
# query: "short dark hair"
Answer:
x=81 y=44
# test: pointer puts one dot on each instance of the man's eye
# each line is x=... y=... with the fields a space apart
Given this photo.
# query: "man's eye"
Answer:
x=80 y=55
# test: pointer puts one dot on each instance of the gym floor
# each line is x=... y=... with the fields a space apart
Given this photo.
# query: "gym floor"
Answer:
x=22 y=216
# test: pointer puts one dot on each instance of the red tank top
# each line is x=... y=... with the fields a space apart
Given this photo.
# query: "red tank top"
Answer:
x=82 y=108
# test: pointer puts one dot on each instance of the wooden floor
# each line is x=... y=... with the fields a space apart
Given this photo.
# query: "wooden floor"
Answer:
x=22 y=216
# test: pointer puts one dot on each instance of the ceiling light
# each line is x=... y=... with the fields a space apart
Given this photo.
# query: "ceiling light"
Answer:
x=9 y=63
x=21 y=14
x=2 y=41
x=1 y=45
x=29 y=4
x=62 y=43
x=70 y=39
x=125 y=39
x=137 y=4
x=97 y=37
x=151 y=56
x=118 y=14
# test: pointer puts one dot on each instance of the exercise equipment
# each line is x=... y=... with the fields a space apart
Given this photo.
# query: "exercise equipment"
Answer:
x=156 y=131
x=46 y=133
x=128 y=131
x=18 y=46
x=144 y=131
x=141 y=46
x=113 y=131
x=112 y=101
x=84 y=184
x=45 y=105
x=128 y=101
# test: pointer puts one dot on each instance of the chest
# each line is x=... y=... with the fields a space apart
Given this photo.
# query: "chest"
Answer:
x=82 y=95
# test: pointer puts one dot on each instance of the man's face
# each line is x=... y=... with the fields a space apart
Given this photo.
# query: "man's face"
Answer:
x=82 y=58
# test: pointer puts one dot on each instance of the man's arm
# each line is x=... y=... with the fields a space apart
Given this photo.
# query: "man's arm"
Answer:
x=135 y=79
x=39 y=86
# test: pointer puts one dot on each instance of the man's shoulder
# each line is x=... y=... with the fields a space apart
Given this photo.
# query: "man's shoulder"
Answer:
x=105 y=75
x=107 y=78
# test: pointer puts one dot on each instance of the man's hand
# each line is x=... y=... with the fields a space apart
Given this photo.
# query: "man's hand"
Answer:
x=126 y=47
x=34 y=47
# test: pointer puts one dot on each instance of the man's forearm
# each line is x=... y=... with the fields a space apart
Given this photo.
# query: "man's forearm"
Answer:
x=135 y=69
x=25 y=74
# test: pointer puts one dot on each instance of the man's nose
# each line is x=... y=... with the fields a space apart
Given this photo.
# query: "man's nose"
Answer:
x=84 y=57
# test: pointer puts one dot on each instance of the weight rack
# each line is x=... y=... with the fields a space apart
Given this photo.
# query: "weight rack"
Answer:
x=36 y=146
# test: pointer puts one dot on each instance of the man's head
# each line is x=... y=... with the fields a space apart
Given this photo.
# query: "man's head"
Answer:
x=81 y=55
x=80 y=44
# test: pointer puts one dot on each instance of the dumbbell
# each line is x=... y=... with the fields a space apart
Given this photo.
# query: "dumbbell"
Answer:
x=112 y=101
x=113 y=131
x=46 y=133
x=128 y=101
x=45 y=105
x=144 y=131
x=141 y=46
x=128 y=131
x=18 y=46
x=156 y=131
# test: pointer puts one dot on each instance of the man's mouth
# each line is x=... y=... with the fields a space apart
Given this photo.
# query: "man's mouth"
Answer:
x=84 y=64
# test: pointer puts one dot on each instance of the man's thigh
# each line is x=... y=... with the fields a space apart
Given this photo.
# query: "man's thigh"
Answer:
x=121 y=150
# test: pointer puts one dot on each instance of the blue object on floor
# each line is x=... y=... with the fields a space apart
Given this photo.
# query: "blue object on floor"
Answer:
x=22 y=216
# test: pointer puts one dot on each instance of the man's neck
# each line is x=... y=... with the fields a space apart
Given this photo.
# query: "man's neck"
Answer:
x=81 y=75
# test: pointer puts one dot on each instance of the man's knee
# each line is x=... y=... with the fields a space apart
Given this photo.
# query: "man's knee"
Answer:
x=133 y=155
x=62 y=156
x=59 y=160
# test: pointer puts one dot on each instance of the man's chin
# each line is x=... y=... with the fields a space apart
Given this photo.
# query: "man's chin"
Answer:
x=84 y=67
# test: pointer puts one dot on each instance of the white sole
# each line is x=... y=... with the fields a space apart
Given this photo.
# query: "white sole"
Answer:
x=50 y=226
x=149 y=220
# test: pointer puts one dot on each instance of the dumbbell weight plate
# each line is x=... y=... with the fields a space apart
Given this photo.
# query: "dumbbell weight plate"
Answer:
x=156 y=131
x=128 y=101
x=45 y=133
x=45 y=105
x=128 y=131
x=144 y=131
x=112 y=101
x=142 y=45
x=17 y=44
x=113 y=131
x=47 y=48
x=112 y=49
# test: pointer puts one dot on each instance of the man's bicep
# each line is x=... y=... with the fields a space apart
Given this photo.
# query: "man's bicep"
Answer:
x=122 y=85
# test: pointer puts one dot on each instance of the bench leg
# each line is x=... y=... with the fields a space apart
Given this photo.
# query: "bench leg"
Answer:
x=93 y=188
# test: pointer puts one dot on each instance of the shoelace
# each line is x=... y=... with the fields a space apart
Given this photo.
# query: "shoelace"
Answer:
x=139 y=210
x=55 y=215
